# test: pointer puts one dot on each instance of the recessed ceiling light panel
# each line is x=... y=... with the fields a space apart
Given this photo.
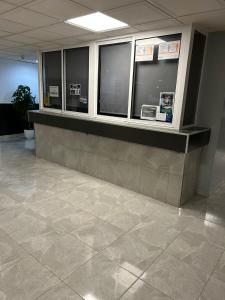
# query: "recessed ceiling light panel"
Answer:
x=97 y=22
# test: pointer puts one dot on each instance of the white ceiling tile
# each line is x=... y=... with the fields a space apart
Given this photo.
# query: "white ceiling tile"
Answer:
x=222 y=2
x=4 y=52
x=125 y=31
x=105 y=4
x=92 y=37
x=22 y=39
x=186 y=7
x=13 y=27
x=6 y=44
x=4 y=6
x=65 y=9
x=208 y=21
x=43 y=35
x=158 y=24
x=65 y=29
x=68 y=41
x=4 y=33
x=48 y=45
x=19 y=50
x=137 y=13
x=28 y=17
x=22 y=53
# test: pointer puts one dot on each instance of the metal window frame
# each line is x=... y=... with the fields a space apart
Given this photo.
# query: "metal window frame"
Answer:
x=181 y=84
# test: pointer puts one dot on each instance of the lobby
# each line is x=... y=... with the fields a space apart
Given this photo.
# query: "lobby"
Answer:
x=112 y=183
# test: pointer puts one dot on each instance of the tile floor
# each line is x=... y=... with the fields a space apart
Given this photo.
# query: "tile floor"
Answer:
x=68 y=236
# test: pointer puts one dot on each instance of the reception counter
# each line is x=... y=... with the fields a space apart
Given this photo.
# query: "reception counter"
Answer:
x=162 y=164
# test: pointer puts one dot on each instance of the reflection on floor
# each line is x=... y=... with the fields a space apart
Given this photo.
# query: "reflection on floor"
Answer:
x=66 y=235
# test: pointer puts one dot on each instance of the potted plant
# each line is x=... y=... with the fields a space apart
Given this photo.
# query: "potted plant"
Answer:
x=22 y=102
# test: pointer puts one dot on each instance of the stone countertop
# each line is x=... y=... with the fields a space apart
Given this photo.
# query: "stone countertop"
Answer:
x=180 y=141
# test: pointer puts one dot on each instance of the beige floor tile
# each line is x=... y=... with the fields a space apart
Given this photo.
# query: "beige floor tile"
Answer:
x=214 y=290
x=97 y=233
x=101 y=279
x=141 y=205
x=98 y=207
x=23 y=224
x=69 y=219
x=155 y=233
x=58 y=252
x=132 y=254
x=60 y=292
x=25 y=281
x=122 y=218
x=220 y=269
x=7 y=202
x=46 y=208
x=193 y=249
x=143 y=291
x=175 y=278
x=10 y=251
x=41 y=203
x=213 y=233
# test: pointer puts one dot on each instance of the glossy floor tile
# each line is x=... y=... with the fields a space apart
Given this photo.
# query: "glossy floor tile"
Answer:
x=97 y=234
x=26 y=280
x=132 y=253
x=60 y=292
x=193 y=249
x=100 y=278
x=214 y=290
x=60 y=253
x=141 y=290
x=65 y=235
x=10 y=251
x=173 y=276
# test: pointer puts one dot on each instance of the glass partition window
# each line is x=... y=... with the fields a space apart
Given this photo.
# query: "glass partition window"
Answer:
x=114 y=77
x=155 y=77
x=52 y=80
x=76 y=79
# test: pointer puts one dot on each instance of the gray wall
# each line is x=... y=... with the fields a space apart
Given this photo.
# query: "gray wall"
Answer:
x=14 y=73
x=218 y=172
x=165 y=175
x=210 y=110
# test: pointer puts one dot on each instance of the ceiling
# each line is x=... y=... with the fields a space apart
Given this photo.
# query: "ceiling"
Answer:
x=29 y=25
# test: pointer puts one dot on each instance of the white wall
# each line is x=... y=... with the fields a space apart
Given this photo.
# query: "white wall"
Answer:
x=14 y=73
x=210 y=111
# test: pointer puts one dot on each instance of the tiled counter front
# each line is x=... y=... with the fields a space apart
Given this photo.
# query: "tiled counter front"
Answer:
x=165 y=175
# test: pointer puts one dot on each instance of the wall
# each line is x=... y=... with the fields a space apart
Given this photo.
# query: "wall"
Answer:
x=218 y=173
x=210 y=110
x=13 y=73
x=159 y=173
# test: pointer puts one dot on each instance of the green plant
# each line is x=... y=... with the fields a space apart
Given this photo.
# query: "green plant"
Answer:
x=22 y=102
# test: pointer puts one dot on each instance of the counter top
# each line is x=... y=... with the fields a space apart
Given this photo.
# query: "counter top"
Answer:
x=179 y=141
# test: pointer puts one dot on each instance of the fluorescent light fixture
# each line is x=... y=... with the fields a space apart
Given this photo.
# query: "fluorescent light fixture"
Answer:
x=97 y=22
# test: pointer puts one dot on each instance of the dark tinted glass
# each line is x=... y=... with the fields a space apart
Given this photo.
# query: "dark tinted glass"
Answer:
x=52 y=82
x=114 y=75
x=194 y=78
x=154 y=77
x=77 y=74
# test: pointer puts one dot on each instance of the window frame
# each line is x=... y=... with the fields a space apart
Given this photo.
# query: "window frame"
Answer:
x=106 y=43
x=181 y=83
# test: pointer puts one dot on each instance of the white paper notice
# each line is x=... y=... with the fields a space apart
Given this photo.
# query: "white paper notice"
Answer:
x=54 y=91
x=169 y=50
x=144 y=51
